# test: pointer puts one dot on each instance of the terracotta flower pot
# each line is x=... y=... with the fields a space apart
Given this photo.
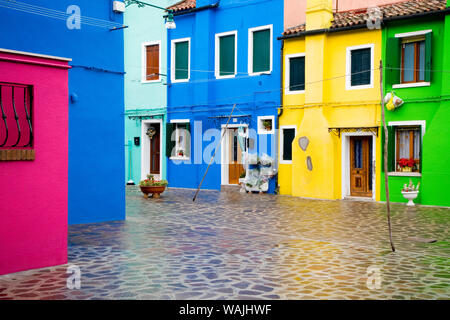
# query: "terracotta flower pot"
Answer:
x=155 y=191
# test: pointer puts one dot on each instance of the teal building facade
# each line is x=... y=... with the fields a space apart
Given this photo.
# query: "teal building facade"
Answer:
x=145 y=91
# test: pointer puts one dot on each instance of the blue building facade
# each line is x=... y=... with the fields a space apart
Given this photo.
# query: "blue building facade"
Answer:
x=96 y=93
x=222 y=55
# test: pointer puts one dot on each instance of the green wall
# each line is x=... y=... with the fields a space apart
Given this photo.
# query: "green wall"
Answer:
x=431 y=104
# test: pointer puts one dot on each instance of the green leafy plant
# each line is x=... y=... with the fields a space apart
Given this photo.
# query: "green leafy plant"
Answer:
x=242 y=176
x=151 y=182
x=267 y=124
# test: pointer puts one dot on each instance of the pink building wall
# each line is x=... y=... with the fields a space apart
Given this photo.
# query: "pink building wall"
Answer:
x=294 y=10
x=33 y=194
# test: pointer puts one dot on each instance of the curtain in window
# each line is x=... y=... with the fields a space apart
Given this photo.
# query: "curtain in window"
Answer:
x=403 y=147
x=417 y=144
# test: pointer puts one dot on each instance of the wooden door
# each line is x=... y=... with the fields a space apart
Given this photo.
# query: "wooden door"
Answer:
x=360 y=166
x=235 y=167
x=155 y=150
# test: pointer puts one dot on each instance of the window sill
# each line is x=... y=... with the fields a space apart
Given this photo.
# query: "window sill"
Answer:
x=404 y=174
x=361 y=87
x=294 y=92
x=179 y=158
x=285 y=161
x=226 y=77
x=262 y=73
x=411 y=85
x=150 y=81
x=179 y=81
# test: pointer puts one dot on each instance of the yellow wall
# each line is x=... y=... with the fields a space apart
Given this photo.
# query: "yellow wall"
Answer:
x=327 y=104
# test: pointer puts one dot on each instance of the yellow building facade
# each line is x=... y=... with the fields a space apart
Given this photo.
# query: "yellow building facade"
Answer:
x=336 y=151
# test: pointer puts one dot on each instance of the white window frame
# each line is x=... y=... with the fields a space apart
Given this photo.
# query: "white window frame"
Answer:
x=348 y=78
x=144 y=46
x=172 y=60
x=287 y=73
x=250 y=49
x=261 y=130
x=180 y=121
x=217 y=54
x=412 y=84
x=419 y=123
x=281 y=142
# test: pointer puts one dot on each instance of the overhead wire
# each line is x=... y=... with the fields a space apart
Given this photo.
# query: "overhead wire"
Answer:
x=56 y=14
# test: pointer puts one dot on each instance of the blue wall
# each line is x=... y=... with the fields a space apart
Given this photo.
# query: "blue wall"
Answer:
x=204 y=96
x=96 y=126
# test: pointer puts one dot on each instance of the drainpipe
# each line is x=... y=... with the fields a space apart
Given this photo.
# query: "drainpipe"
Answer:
x=130 y=181
x=280 y=113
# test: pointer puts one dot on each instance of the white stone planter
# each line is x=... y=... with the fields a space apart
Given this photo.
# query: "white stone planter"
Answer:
x=241 y=182
x=410 y=196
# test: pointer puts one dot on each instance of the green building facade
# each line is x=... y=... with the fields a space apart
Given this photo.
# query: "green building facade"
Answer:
x=416 y=56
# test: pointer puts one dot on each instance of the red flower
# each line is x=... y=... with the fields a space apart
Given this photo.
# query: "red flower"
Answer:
x=406 y=163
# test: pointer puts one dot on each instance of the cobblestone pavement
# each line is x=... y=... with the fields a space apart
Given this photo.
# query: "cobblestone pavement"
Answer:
x=230 y=245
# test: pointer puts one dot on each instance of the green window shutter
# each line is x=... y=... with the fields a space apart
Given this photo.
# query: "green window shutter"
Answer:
x=226 y=55
x=428 y=55
x=361 y=68
x=181 y=60
x=170 y=145
x=391 y=149
x=297 y=74
x=261 y=50
x=392 y=65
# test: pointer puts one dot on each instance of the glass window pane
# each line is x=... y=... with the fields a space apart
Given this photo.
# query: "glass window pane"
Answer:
x=358 y=154
x=297 y=74
x=261 y=50
x=409 y=65
x=181 y=60
x=422 y=61
x=226 y=54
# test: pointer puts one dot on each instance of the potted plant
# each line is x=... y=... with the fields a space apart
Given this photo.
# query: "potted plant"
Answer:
x=180 y=153
x=152 y=186
x=410 y=192
x=406 y=165
x=267 y=124
x=242 y=177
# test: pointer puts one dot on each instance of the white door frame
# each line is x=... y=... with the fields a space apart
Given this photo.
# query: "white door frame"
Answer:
x=225 y=152
x=145 y=148
x=345 y=162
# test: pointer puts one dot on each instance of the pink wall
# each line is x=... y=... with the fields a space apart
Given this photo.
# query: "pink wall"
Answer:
x=294 y=10
x=33 y=194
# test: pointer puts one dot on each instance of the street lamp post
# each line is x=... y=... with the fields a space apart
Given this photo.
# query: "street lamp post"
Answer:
x=169 y=24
